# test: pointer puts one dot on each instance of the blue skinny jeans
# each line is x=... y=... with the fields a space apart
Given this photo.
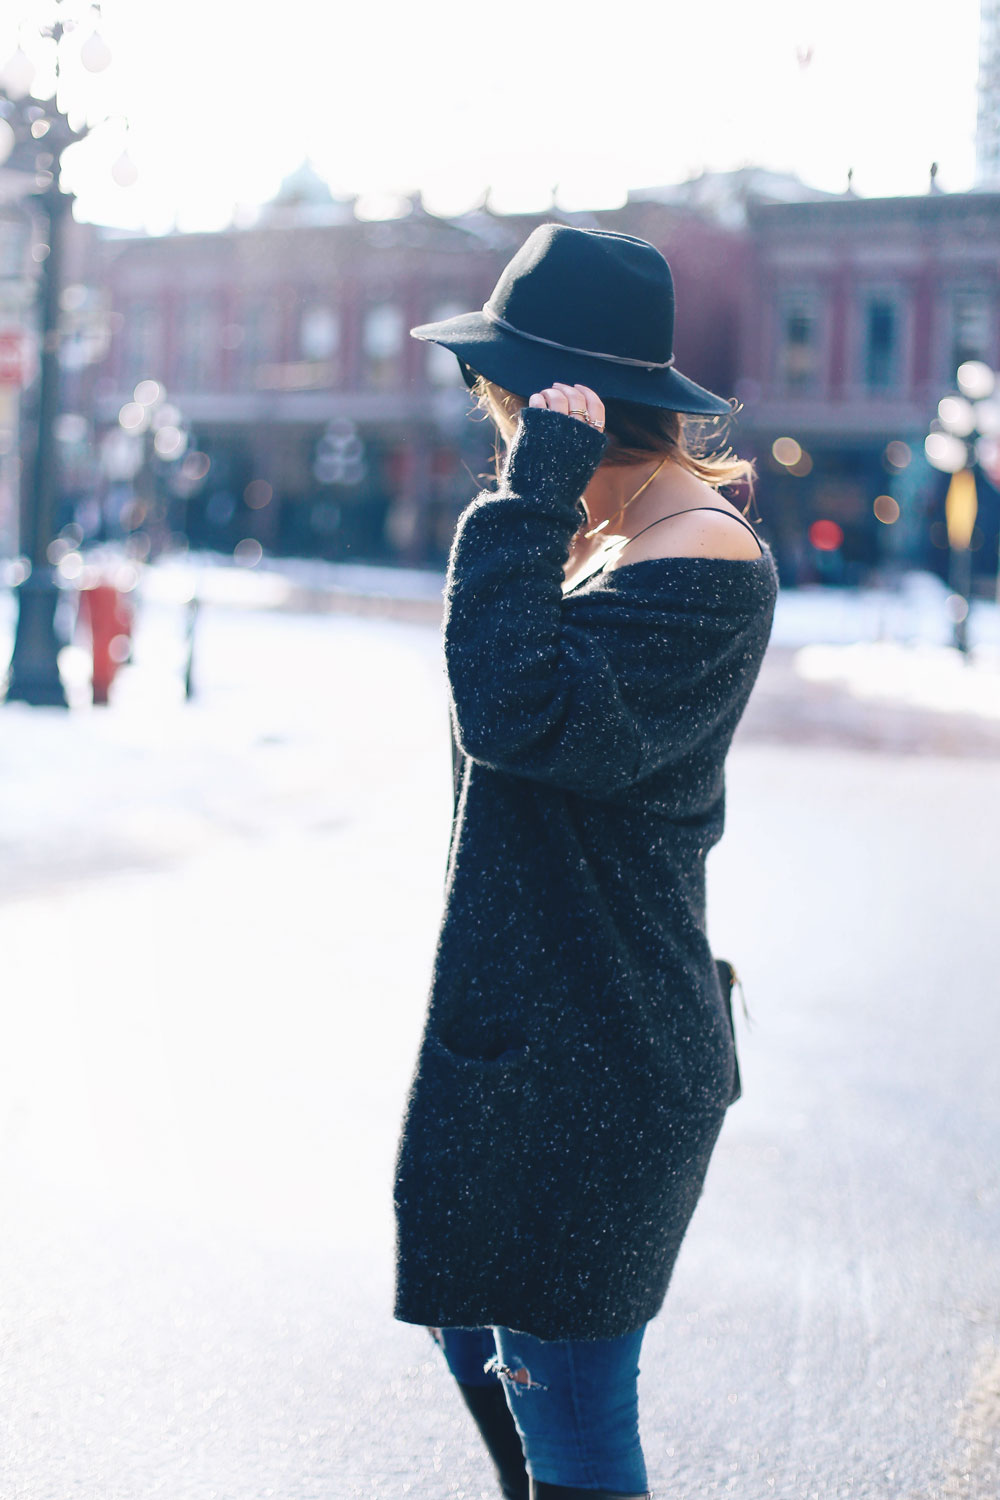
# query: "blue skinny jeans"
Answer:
x=574 y=1402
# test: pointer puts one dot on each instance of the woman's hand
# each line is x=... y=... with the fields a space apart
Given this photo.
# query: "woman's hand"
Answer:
x=577 y=401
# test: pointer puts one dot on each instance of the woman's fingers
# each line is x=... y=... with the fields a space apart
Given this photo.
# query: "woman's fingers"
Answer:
x=577 y=401
x=595 y=406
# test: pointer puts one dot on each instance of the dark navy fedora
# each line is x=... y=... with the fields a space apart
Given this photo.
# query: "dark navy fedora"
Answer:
x=585 y=306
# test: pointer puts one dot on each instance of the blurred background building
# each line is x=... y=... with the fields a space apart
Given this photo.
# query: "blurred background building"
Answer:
x=254 y=389
x=296 y=413
x=858 y=313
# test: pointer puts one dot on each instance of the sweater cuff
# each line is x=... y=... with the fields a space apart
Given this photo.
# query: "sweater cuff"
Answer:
x=552 y=456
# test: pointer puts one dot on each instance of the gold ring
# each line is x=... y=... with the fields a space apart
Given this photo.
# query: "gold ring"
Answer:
x=582 y=412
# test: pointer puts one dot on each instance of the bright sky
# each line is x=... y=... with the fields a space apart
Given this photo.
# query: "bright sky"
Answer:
x=223 y=100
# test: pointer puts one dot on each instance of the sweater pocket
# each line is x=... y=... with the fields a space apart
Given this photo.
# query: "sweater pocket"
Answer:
x=477 y=1028
x=470 y=1111
x=496 y=1057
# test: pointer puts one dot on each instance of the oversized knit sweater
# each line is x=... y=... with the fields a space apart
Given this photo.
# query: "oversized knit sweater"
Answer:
x=576 y=1061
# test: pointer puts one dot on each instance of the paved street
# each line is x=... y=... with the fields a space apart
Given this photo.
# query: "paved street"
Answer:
x=216 y=922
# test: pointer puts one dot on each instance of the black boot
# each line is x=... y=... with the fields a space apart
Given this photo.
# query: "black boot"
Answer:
x=542 y=1491
x=491 y=1414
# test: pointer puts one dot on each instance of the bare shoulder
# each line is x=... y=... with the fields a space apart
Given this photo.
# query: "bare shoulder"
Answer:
x=687 y=530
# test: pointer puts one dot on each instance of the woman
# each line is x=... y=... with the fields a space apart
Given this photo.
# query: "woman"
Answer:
x=603 y=630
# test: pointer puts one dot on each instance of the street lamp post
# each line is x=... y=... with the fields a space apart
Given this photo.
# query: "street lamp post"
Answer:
x=34 y=672
x=34 y=133
x=964 y=436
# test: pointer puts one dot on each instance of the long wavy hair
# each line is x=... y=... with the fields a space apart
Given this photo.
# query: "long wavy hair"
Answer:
x=638 y=433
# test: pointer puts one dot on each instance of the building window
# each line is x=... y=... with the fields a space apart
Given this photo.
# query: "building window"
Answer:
x=442 y=367
x=259 y=344
x=970 y=328
x=197 y=343
x=880 y=354
x=142 y=336
x=15 y=236
x=319 y=333
x=382 y=342
x=798 y=342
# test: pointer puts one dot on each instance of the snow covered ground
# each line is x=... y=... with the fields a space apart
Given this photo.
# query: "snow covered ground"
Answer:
x=913 y=611
x=217 y=919
x=891 y=646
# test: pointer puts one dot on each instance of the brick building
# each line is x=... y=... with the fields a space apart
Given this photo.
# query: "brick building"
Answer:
x=857 y=314
x=318 y=427
x=285 y=348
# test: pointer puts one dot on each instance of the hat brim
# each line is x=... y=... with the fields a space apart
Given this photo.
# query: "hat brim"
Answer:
x=523 y=366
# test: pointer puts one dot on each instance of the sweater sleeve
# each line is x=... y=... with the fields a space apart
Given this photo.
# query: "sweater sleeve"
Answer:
x=533 y=693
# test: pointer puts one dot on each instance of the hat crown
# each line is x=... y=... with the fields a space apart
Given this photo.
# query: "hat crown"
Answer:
x=591 y=289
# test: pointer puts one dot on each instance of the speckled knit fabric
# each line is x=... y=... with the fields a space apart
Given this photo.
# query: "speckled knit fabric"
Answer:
x=576 y=1060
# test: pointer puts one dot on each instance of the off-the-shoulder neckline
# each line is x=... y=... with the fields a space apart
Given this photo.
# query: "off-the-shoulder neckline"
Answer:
x=766 y=555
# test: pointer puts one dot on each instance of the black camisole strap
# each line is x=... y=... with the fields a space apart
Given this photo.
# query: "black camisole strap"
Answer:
x=696 y=507
x=673 y=513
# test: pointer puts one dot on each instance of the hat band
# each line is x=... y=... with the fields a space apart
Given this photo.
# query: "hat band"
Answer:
x=617 y=359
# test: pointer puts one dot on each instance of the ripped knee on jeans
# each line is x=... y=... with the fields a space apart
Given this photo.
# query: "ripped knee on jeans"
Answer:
x=517 y=1375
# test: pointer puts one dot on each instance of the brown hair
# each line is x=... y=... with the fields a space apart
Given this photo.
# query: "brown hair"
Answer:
x=638 y=433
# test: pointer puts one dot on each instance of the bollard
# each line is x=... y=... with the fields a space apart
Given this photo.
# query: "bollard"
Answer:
x=193 y=606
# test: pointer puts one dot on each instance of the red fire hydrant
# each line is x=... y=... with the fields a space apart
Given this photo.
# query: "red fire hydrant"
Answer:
x=108 y=614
